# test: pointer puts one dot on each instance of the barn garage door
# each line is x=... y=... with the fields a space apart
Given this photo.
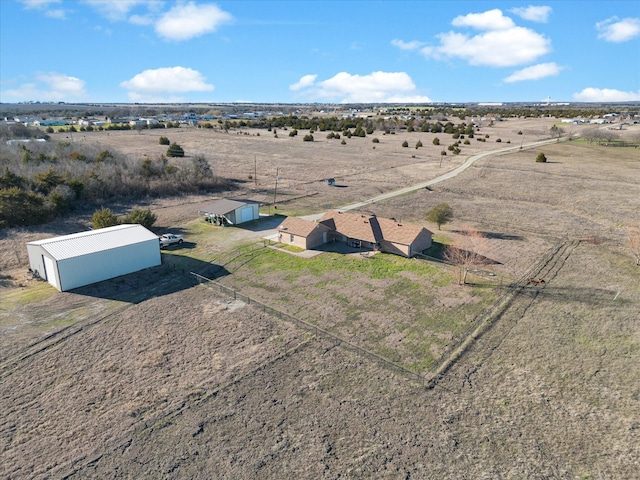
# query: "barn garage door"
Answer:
x=247 y=214
x=50 y=272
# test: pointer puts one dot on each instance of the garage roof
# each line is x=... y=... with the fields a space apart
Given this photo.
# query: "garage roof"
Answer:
x=92 y=241
x=222 y=207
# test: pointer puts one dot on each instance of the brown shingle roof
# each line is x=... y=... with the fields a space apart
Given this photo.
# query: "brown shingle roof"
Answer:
x=370 y=228
x=395 y=232
x=353 y=225
x=298 y=226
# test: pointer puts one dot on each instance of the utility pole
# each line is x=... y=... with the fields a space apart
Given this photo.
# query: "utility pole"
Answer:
x=275 y=190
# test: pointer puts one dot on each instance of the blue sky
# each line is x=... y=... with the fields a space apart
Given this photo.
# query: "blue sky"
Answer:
x=319 y=51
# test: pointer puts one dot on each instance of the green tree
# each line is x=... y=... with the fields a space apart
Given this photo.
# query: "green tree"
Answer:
x=541 y=158
x=440 y=214
x=19 y=207
x=141 y=216
x=47 y=181
x=10 y=179
x=436 y=141
x=175 y=150
x=405 y=144
x=104 y=218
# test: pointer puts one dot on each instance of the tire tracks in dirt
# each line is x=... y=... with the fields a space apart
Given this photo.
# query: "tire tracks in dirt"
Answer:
x=18 y=359
x=520 y=298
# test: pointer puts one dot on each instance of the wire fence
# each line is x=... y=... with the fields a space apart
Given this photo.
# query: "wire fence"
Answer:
x=316 y=331
x=479 y=324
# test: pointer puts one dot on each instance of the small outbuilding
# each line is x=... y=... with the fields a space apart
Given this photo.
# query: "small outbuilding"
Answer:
x=80 y=259
x=230 y=212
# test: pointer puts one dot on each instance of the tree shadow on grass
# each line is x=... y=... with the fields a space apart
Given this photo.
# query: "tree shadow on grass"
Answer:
x=492 y=235
x=438 y=251
x=595 y=296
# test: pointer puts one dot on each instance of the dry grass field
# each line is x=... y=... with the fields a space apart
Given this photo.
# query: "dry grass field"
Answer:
x=155 y=376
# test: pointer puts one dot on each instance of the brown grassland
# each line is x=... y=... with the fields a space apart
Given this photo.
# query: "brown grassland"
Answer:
x=154 y=375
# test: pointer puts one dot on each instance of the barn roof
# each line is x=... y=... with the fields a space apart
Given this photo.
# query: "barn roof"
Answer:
x=222 y=207
x=93 y=241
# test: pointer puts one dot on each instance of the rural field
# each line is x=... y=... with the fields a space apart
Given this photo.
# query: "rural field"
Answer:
x=343 y=365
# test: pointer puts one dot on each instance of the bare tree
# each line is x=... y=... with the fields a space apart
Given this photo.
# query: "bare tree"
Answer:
x=633 y=241
x=465 y=251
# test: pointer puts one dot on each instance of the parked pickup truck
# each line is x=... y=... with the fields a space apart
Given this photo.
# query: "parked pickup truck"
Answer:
x=169 y=239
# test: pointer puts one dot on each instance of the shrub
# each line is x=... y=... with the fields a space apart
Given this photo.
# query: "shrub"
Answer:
x=143 y=217
x=375 y=140
x=175 y=150
x=436 y=141
x=293 y=133
x=308 y=138
x=405 y=144
x=104 y=218
x=541 y=158
x=164 y=141
x=498 y=140
x=20 y=207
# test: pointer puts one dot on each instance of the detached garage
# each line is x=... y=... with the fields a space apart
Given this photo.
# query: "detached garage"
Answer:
x=79 y=259
x=230 y=212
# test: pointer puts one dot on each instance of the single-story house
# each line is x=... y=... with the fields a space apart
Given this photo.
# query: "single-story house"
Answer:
x=230 y=212
x=303 y=233
x=356 y=230
x=80 y=259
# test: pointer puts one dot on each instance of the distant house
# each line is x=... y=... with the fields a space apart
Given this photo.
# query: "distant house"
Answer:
x=356 y=230
x=303 y=233
x=230 y=212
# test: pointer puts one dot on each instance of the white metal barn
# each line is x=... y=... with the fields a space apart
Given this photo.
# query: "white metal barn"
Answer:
x=79 y=259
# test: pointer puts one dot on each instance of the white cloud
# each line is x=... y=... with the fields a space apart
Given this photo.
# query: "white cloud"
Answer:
x=44 y=6
x=591 y=94
x=376 y=87
x=500 y=44
x=402 y=45
x=489 y=20
x=141 y=19
x=304 y=82
x=54 y=87
x=119 y=9
x=188 y=20
x=533 y=13
x=616 y=30
x=162 y=84
x=38 y=4
x=501 y=48
x=535 y=72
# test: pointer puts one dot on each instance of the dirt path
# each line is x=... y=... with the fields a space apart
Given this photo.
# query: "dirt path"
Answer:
x=441 y=178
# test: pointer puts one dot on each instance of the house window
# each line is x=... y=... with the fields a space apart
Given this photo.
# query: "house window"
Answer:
x=291 y=238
